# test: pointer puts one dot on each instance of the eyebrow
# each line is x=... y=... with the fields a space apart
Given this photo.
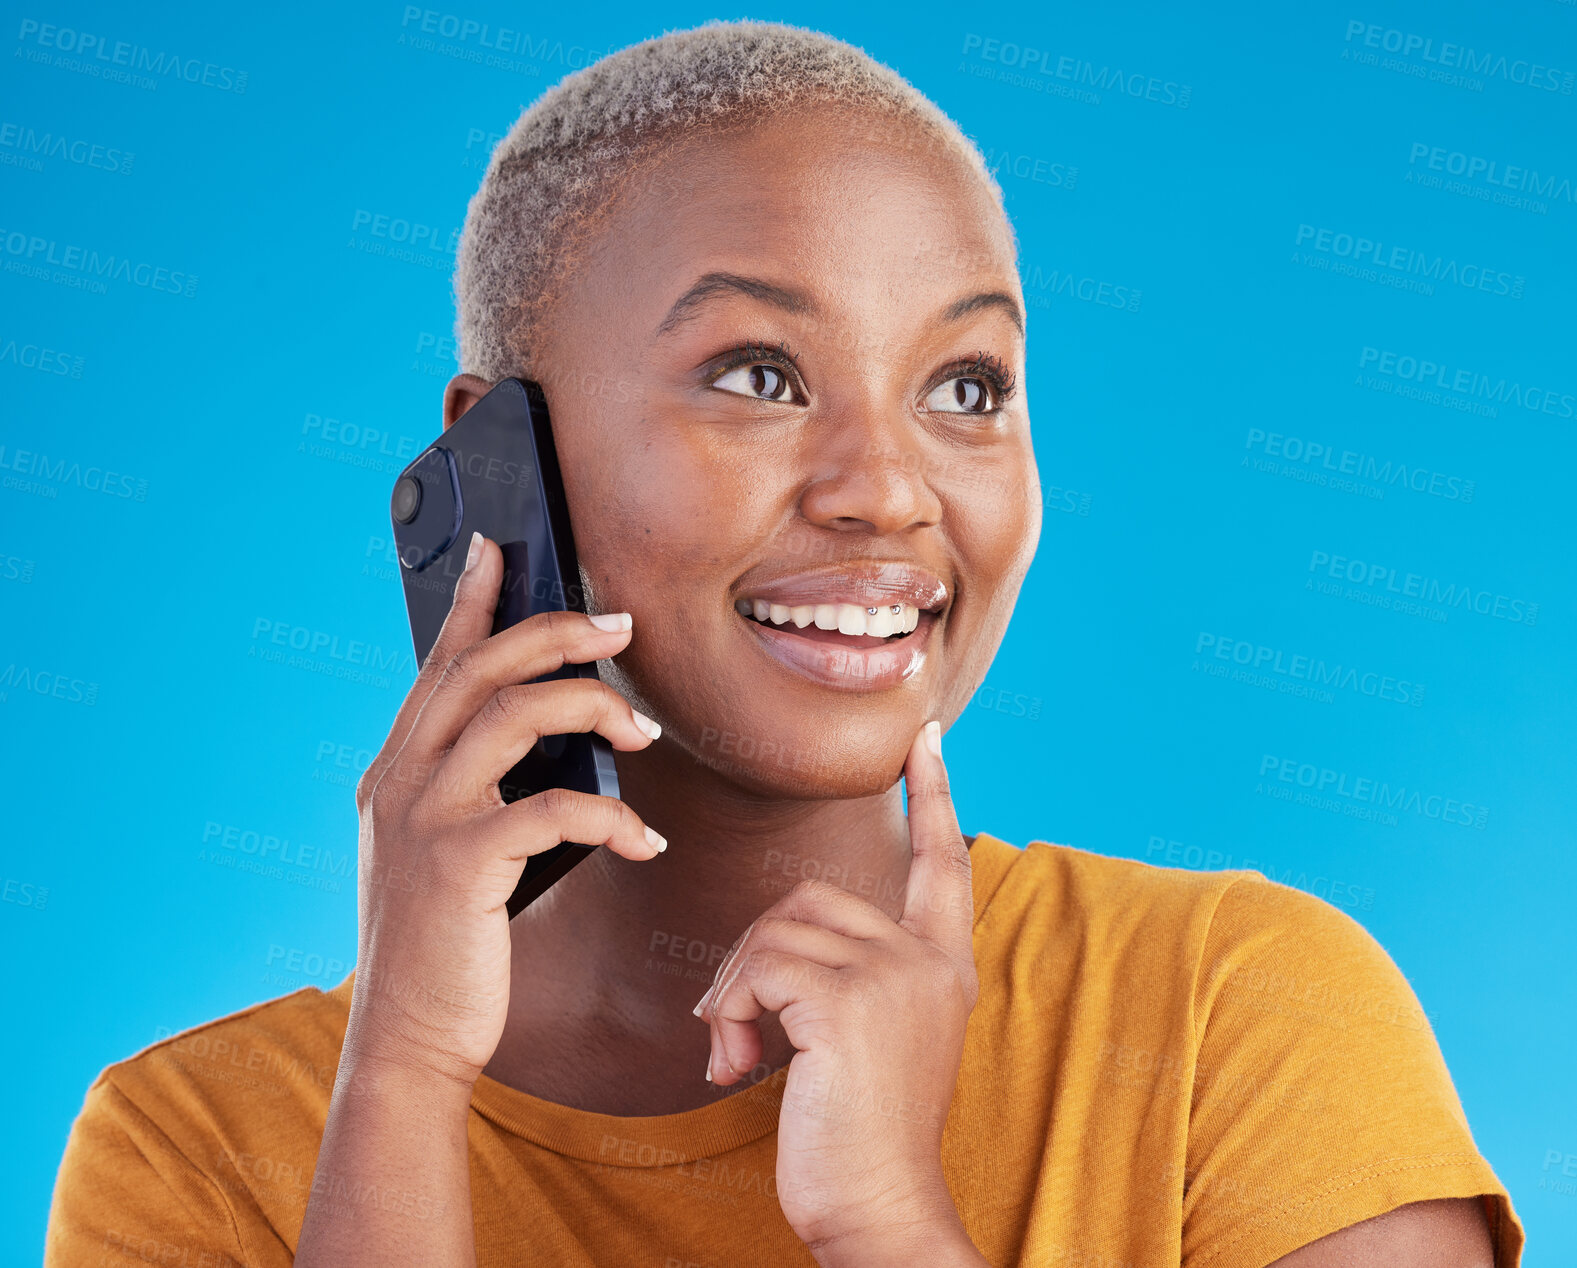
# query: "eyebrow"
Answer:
x=986 y=299
x=713 y=285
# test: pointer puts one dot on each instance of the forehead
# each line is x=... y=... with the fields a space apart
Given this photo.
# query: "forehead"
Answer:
x=855 y=208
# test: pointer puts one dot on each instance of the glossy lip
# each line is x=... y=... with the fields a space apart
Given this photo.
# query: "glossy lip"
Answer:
x=869 y=584
x=848 y=668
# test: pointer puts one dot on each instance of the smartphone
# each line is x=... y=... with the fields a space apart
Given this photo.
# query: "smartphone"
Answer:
x=495 y=471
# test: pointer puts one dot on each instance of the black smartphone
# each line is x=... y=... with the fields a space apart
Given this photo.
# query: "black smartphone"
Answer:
x=495 y=471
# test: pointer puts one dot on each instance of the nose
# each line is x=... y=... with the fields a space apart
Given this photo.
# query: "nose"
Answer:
x=873 y=474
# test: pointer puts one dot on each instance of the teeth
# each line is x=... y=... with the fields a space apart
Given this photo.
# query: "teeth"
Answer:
x=847 y=618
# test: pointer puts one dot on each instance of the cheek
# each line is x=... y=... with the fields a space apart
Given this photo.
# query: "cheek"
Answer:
x=996 y=516
x=663 y=521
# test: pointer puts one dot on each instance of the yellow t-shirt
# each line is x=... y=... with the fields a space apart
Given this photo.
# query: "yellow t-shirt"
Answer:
x=1164 y=1067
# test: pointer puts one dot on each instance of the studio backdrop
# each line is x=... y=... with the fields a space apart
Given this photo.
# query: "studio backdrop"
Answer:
x=1303 y=375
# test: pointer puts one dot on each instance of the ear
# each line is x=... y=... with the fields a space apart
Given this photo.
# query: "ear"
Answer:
x=464 y=391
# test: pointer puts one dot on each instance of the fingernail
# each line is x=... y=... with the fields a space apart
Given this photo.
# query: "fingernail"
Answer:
x=933 y=737
x=658 y=843
x=474 y=552
x=697 y=1009
x=612 y=621
x=646 y=724
x=709 y=1067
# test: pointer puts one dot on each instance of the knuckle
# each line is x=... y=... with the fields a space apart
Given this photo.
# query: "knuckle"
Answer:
x=366 y=784
x=606 y=698
x=768 y=930
x=813 y=891
x=438 y=655
x=509 y=707
x=560 y=628
x=553 y=802
x=932 y=790
x=954 y=859
x=379 y=805
x=463 y=669
x=951 y=982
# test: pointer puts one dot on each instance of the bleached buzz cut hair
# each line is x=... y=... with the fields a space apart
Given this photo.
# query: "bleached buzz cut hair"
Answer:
x=591 y=134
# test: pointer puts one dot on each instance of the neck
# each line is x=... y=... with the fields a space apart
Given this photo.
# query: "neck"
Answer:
x=607 y=965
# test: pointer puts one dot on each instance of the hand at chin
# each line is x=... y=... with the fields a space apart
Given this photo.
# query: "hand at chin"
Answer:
x=876 y=1009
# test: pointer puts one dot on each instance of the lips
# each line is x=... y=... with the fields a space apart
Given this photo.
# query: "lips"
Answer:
x=907 y=603
x=867 y=584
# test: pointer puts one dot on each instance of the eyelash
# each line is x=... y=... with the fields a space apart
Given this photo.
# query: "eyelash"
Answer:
x=985 y=365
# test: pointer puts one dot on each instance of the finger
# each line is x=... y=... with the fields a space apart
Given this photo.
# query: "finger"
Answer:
x=820 y=953
x=769 y=981
x=810 y=942
x=820 y=902
x=939 y=901
x=469 y=620
x=516 y=717
x=536 y=646
x=498 y=843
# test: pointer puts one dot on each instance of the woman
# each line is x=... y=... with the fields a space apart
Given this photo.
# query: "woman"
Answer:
x=772 y=295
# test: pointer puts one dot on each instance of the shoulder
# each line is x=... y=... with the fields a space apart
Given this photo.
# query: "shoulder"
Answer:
x=1225 y=952
x=200 y=1145
x=1220 y=913
x=1045 y=890
x=273 y=1061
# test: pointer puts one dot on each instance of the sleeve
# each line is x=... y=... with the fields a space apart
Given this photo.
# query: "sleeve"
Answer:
x=126 y=1195
x=1321 y=1098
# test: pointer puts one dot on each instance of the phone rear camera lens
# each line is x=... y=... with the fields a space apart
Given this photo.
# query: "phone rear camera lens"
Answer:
x=407 y=499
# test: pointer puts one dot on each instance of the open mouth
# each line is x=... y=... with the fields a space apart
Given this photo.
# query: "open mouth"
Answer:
x=836 y=624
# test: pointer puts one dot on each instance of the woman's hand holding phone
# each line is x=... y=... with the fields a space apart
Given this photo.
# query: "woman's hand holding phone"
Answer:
x=440 y=855
x=441 y=852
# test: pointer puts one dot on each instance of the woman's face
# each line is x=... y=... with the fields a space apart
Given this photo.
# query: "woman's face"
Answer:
x=789 y=368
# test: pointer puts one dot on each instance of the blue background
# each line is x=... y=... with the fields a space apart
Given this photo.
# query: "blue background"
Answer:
x=140 y=714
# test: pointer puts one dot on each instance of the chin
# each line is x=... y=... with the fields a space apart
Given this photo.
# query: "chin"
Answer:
x=814 y=764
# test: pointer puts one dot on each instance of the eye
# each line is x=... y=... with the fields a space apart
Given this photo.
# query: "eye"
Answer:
x=761 y=380
x=962 y=395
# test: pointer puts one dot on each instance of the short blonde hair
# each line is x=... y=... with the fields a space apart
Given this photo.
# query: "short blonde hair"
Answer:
x=585 y=138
